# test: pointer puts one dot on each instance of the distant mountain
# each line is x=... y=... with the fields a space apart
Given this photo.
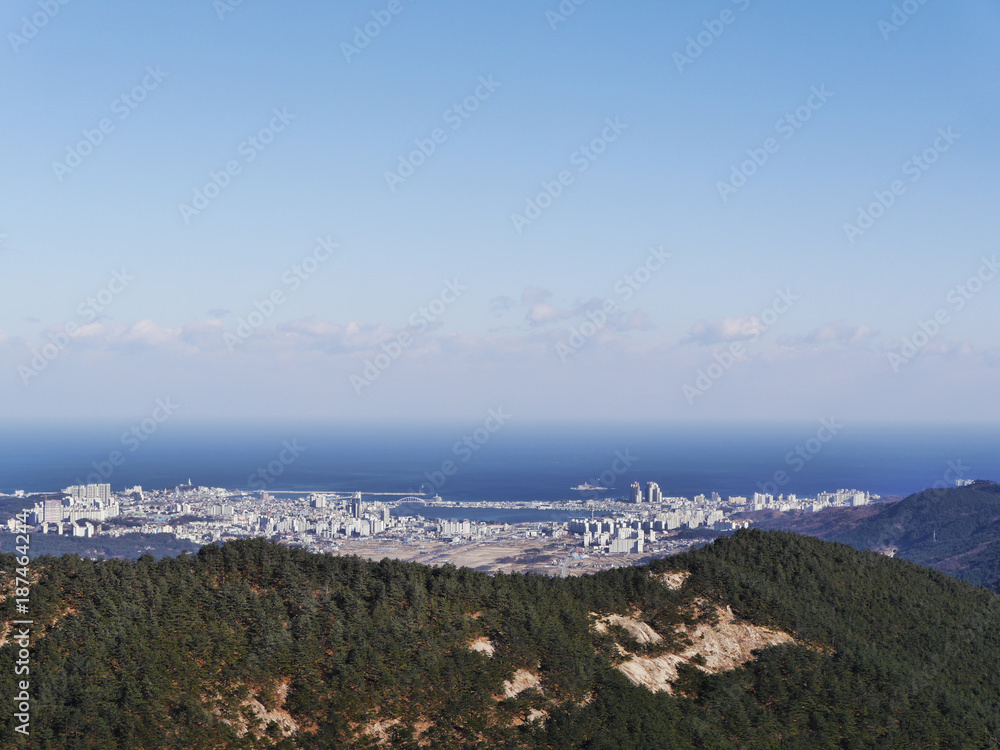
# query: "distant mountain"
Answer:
x=757 y=641
x=956 y=531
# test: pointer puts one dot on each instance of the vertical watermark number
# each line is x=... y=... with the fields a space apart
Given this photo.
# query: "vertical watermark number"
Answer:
x=22 y=628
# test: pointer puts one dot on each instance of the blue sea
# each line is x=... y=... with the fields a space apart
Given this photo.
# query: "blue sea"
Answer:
x=520 y=462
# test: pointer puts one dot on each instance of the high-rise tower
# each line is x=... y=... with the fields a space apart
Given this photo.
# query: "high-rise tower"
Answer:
x=635 y=493
x=653 y=494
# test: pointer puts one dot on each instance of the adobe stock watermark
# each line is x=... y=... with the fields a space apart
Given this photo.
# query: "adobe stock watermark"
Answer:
x=625 y=287
x=728 y=356
x=714 y=28
x=31 y=25
x=293 y=279
x=122 y=106
x=621 y=463
x=800 y=456
x=901 y=15
x=21 y=636
x=956 y=300
x=419 y=321
x=88 y=311
x=249 y=149
x=224 y=7
x=267 y=475
x=131 y=440
x=582 y=158
x=455 y=116
x=562 y=13
x=914 y=168
x=953 y=476
x=786 y=127
x=468 y=446
x=363 y=35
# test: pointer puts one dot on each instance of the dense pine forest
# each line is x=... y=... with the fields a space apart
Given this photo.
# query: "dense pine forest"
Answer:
x=955 y=530
x=253 y=644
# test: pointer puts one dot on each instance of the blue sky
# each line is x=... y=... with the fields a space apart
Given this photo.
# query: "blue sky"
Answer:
x=517 y=331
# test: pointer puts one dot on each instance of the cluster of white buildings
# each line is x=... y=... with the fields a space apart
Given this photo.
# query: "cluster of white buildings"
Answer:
x=455 y=528
x=317 y=516
x=207 y=514
x=624 y=535
x=88 y=492
x=77 y=511
x=663 y=514
x=651 y=495
x=614 y=536
x=785 y=503
x=320 y=521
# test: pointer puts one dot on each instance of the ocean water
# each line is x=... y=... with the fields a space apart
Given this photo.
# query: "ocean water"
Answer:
x=521 y=461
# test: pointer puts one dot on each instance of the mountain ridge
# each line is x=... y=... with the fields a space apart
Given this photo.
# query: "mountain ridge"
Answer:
x=253 y=644
x=954 y=530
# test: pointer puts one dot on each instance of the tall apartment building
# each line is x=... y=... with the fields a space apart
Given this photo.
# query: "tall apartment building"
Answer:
x=53 y=511
x=89 y=492
x=635 y=493
x=455 y=528
x=653 y=494
x=357 y=507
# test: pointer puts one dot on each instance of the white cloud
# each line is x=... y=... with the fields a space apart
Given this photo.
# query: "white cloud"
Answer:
x=334 y=337
x=534 y=294
x=708 y=333
x=542 y=313
x=837 y=332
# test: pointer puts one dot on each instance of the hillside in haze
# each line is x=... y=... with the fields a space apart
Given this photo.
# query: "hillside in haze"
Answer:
x=761 y=640
x=956 y=531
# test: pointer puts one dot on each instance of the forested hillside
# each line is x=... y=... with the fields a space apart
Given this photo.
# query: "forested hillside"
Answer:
x=257 y=645
x=955 y=530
